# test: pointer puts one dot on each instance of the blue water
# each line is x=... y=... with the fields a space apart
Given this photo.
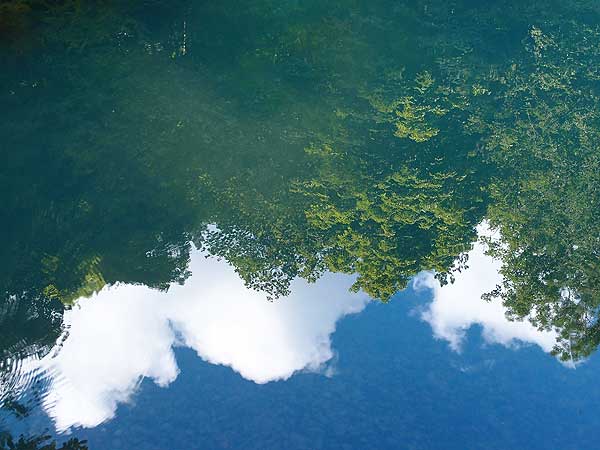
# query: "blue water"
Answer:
x=394 y=386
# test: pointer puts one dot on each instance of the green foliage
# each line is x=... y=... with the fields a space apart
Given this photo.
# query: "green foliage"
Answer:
x=7 y=442
x=413 y=117
x=385 y=228
x=546 y=200
x=294 y=138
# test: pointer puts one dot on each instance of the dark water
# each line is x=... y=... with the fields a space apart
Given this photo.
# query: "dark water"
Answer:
x=299 y=224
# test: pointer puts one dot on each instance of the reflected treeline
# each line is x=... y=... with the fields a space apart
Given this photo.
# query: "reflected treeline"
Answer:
x=293 y=139
x=8 y=442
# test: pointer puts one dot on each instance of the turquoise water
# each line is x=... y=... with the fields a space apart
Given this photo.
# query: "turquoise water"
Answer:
x=302 y=224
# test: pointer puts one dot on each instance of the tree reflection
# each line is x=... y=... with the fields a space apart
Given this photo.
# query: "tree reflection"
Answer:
x=367 y=139
x=44 y=442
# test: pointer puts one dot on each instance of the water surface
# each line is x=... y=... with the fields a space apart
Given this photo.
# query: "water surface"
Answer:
x=342 y=225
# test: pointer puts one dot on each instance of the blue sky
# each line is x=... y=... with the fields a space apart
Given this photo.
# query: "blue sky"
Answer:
x=213 y=365
x=393 y=386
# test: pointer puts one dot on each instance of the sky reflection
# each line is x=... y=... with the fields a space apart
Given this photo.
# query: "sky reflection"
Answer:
x=458 y=306
x=126 y=333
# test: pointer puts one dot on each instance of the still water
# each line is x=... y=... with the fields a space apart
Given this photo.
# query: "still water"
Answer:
x=299 y=224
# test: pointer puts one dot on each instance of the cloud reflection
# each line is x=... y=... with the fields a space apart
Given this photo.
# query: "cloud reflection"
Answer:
x=458 y=306
x=126 y=333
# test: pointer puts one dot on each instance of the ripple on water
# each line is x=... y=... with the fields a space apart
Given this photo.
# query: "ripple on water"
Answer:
x=24 y=377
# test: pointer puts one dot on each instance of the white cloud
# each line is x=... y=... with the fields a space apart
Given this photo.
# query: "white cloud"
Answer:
x=127 y=332
x=115 y=338
x=458 y=306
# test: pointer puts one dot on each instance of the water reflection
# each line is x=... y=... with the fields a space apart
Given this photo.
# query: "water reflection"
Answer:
x=304 y=168
x=43 y=442
x=458 y=306
x=126 y=333
x=354 y=144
